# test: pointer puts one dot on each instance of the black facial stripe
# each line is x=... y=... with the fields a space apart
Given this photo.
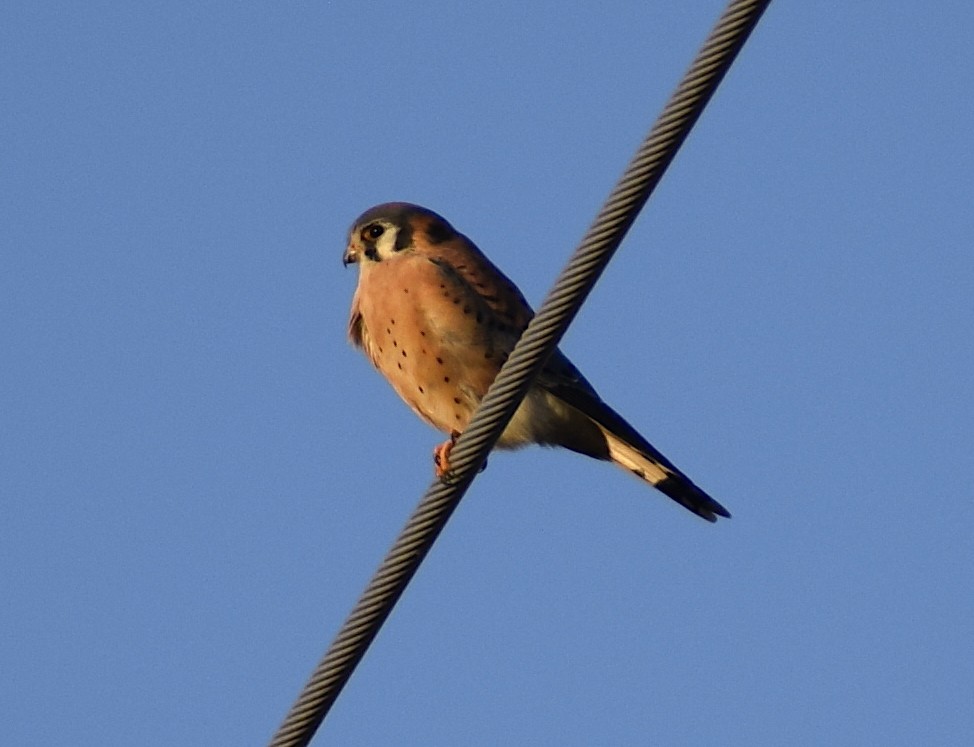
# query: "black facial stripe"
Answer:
x=439 y=231
x=371 y=252
x=404 y=239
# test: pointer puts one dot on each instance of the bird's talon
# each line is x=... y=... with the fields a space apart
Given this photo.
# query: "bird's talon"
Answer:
x=441 y=456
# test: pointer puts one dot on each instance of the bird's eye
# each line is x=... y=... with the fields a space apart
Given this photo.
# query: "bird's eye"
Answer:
x=373 y=232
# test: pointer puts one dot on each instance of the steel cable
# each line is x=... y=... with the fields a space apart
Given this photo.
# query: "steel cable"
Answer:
x=535 y=346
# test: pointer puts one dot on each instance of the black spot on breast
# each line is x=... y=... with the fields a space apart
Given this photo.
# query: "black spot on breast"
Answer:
x=394 y=344
x=421 y=390
x=466 y=309
x=399 y=366
x=392 y=322
x=456 y=400
x=422 y=333
x=439 y=360
x=456 y=300
x=403 y=353
x=446 y=379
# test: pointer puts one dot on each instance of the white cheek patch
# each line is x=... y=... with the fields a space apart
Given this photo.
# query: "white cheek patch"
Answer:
x=385 y=247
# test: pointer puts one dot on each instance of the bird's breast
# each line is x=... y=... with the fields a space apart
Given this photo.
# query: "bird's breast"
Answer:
x=431 y=336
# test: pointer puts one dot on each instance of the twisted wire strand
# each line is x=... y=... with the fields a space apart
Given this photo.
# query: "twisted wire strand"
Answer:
x=525 y=362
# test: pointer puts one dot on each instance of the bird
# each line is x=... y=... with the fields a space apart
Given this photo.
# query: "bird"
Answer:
x=438 y=319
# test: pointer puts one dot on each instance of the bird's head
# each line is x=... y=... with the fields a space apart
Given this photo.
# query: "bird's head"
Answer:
x=391 y=229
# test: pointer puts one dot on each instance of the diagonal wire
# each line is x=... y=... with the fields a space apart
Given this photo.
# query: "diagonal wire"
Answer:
x=535 y=346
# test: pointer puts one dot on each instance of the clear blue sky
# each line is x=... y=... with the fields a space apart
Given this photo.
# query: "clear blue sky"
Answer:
x=198 y=475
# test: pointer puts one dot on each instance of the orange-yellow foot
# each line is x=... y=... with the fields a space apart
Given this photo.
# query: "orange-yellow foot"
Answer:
x=441 y=455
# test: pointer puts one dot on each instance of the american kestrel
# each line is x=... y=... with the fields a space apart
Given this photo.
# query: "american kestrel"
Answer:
x=438 y=320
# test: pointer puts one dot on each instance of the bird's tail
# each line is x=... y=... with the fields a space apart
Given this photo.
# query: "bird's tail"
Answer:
x=582 y=422
x=646 y=463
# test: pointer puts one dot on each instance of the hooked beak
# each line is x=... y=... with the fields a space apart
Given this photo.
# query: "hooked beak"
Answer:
x=350 y=256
